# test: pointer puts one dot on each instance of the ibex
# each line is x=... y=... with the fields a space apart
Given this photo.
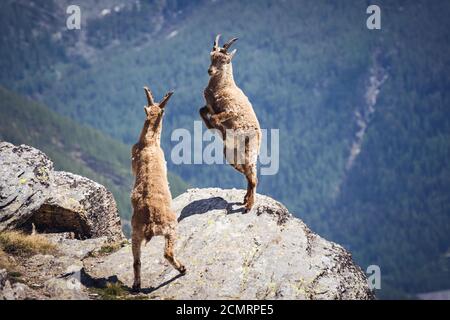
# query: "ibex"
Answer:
x=230 y=112
x=151 y=198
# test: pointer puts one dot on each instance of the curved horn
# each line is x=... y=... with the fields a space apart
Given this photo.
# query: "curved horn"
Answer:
x=227 y=45
x=166 y=98
x=149 y=95
x=216 y=43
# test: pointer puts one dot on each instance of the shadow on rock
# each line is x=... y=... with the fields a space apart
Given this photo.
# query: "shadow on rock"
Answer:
x=204 y=205
x=152 y=289
x=89 y=282
x=101 y=283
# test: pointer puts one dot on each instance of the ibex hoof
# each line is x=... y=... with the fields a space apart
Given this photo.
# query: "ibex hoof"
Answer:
x=136 y=287
x=182 y=269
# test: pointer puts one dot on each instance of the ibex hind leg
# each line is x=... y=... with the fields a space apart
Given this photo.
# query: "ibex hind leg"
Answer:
x=136 y=243
x=252 y=181
x=249 y=170
x=241 y=169
x=169 y=254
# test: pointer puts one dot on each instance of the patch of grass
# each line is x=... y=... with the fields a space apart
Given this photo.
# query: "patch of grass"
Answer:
x=137 y=297
x=110 y=248
x=21 y=244
x=15 y=276
x=112 y=291
x=5 y=261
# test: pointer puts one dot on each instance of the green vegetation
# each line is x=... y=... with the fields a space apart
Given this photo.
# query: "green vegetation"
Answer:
x=304 y=65
x=111 y=248
x=112 y=291
x=116 y=291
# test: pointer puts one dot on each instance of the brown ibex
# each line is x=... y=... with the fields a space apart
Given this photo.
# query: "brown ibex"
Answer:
x=151 y=198
x=230 y=112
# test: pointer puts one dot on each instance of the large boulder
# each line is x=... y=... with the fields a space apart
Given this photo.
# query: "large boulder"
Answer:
x=31 y=192
x=264 y=254
x=79 y=205
x=25 y=180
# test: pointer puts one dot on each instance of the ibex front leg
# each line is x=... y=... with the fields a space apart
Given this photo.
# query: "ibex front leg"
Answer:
x=204 y=113
x=218 y=118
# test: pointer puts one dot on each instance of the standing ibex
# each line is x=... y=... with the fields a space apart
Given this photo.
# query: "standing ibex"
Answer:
x=151 y=198
x=230 y=112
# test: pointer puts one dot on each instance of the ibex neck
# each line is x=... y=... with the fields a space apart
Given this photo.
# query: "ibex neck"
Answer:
x=223 y=79
x=150 y=136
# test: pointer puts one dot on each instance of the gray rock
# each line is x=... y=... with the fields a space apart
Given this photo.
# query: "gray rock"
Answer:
x=3 y=278
x=25 y=179
x=54 y=201
x=8 y=291
x=62 y=276
x=79 y=205
x=67 y=288
x=78 y=249
x=264 y=254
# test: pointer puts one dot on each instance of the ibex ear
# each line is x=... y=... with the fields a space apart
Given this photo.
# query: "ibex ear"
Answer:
x=216 y=43
x=232 y=53
x=147 y=111
x=166 y=98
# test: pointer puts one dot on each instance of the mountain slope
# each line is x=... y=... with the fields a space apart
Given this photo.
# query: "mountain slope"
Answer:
x=74 y=148
x=294 y=89
x=371 y=175
x=394 y=206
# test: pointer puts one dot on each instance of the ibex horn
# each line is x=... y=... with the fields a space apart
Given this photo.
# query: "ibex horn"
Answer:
x=166 y=98
x=227 y=45
x=149 y=95
x=216 y=43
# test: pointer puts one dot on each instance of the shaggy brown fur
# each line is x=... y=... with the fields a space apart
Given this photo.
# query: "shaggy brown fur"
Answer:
x=230 y=112
x=151 y=198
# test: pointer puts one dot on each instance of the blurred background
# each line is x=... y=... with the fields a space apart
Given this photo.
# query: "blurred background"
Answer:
x=364 y=115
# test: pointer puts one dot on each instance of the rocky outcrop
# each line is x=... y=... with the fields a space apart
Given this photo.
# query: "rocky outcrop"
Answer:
x=25 y=180
x=54 y=201
x=265 y=254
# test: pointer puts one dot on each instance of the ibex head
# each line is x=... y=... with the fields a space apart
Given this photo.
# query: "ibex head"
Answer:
x=220 y=57
x=154 y=110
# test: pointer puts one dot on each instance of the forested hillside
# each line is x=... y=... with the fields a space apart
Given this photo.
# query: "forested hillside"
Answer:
x=363 y=115
x=74 y=148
